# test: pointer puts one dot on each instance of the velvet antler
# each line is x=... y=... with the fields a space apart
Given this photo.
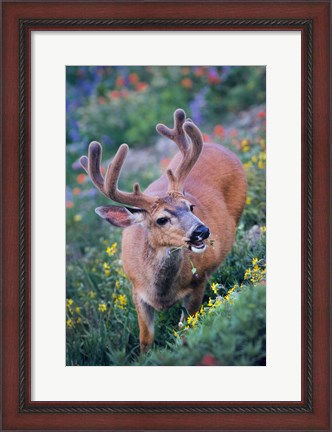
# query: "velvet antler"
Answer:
x=190 y=152
x=109 y=185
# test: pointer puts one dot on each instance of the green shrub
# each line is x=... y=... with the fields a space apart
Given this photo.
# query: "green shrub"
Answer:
x=230 y=334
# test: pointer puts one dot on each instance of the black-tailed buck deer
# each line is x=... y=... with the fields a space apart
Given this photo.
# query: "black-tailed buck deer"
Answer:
x=167 y=226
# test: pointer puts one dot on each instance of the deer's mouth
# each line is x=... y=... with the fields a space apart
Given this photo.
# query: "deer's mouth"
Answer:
x=197 y=246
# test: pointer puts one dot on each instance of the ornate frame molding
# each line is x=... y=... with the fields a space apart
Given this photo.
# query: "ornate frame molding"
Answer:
x=27 y=25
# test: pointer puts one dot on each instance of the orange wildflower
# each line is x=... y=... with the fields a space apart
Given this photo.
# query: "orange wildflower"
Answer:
x=81 y=178
x=187 y=83
x=76 y=191
x=133 y=78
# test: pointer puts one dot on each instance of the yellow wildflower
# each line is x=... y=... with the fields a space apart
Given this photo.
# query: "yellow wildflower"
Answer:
x=190 y=319
x=247 y=274
x=247 y=165
x=78 y=309
x=195 y=319
x=254 y=261
x=69 y=303
x=111 y=250
x=102 y=307
x=70 y=322
x=229 y=292
x=262 y=156
x=77 y=218
x=92 y=294
x=121 y=272
x=107 y=267
x=263 y=229
x=261 y=164
x=248 y=200
x=215 y=288
x=79 y=320
x=120 y=301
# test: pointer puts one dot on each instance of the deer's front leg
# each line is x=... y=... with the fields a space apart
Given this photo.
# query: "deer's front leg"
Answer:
x=145 y=314
x=192 y=302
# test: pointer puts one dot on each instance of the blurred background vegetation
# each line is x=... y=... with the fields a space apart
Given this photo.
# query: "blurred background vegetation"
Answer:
x=113 y=105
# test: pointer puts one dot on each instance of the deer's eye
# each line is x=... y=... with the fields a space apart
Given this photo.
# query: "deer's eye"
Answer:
x=162 y=221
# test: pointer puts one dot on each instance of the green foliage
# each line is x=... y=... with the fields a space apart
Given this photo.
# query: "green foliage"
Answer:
x=123 y=104
x=100 y=310
x=231 y=334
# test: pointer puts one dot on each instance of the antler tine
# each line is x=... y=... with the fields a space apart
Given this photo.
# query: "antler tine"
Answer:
x=190 y=153
x=187 y=163
x=92 y=165
x=176 y=134
x=135 y=198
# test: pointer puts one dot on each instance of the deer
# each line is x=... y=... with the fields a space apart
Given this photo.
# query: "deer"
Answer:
x=202 y=193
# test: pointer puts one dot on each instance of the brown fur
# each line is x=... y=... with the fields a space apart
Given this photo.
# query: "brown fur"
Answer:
x=217 y=188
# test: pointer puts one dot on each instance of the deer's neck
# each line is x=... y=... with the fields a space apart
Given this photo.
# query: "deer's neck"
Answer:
x=167 y=269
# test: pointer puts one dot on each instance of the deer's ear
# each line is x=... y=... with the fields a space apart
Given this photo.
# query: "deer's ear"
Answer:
x=120 y=216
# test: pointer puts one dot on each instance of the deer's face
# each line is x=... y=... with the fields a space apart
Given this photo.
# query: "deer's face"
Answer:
x=173 y=223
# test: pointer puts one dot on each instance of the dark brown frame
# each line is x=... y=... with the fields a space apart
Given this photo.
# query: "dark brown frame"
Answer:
x=312 y=18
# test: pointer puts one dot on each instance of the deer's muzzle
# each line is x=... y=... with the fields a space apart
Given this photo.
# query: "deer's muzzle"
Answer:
x=196 y=242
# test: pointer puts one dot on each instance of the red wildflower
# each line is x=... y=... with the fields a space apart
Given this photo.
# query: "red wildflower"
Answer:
x=133 y=78
x=209 y=360
x=261 y=115
x=141 y=86
x=115 y=94
x=213 y=77
x=206 y=137
x=219 y=131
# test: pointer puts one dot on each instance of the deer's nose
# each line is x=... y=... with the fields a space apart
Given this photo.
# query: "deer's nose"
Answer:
x=202 y=232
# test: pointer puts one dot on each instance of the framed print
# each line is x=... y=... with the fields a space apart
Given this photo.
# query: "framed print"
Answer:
x=79 y=348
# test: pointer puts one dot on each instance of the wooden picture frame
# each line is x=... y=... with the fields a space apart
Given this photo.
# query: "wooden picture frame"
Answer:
x=19 y=20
